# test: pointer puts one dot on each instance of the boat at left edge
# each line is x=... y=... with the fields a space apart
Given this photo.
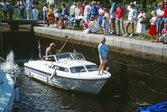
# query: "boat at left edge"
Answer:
x=8 y=90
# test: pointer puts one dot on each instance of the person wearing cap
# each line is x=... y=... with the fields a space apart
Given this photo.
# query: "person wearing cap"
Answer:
x=94 y=10
x=49 y=49
x=103 y=53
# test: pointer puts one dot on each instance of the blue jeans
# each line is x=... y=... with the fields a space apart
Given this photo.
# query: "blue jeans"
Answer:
x=21 y=13
x=87 y=18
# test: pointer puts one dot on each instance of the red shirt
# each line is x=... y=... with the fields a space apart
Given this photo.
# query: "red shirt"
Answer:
x=120 y=12
x=83 y=8
x=165 y=12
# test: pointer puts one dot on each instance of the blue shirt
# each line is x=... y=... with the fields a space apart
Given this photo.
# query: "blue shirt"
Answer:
x=94 y=11
x=113 y=6
x=103 y=49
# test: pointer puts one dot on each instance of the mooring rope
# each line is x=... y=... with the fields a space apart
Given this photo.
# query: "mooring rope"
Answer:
x=63 y=45
x=134 y=65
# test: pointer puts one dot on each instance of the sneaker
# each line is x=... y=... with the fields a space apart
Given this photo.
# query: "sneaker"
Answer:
x=131 y=35
x=165 y=42
x=125 y=35
x=111 y=32
x=139 y=37
x=118 y=34
x=142 y=38
x=114 y=32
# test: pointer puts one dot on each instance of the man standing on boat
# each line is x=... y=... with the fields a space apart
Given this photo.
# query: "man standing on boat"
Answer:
x=103 y=52
x=49 y=49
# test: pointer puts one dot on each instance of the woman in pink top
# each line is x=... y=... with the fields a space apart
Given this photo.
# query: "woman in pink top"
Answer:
x=120 y=11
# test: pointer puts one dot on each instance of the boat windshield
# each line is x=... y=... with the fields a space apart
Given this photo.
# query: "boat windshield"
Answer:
x=63 y=56
x=78 y=56
x=91 y=68
x=77 y=69
x=69 y=56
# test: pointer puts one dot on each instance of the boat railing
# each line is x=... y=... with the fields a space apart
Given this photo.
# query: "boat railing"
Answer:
x=92 y=69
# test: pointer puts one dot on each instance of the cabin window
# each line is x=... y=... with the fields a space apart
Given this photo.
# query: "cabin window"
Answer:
x=60 y=68
x=77 y=69
x=92 y=68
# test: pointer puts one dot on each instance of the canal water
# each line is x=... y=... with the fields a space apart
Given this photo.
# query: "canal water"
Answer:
x=35 y=96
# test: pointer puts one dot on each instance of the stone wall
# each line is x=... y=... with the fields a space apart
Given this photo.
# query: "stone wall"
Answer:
x=139 y=67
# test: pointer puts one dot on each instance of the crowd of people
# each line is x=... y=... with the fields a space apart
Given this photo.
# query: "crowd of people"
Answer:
x=31 y=7
x=99 y=17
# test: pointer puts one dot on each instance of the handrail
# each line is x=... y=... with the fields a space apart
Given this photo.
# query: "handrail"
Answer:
x=2 y=59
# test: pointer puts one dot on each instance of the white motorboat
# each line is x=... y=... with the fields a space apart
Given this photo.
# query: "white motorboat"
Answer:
x=69 y=71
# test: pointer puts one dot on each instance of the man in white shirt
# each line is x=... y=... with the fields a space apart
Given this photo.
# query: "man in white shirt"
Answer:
x=29 y=9
x=87 y=12
x=131 y=19
x=72 y=9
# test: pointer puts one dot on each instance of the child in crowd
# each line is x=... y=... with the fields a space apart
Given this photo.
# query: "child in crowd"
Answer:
x=85 y=26
x=106 y=13
x=163 y=38
x=65 y=21
x=57 y=16
x=50 y=15
x=140 y=28
x=105 y=25
x=153 y=25
x=60 y=24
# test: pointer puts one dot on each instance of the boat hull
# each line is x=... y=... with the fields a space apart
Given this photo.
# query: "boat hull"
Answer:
x=7 y=92
x=90 y=86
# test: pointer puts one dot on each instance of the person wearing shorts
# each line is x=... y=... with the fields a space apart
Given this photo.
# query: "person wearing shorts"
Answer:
x=103 y=52
x=4 y=6
x=50 y=15
x=131 y=19
x=112 y=16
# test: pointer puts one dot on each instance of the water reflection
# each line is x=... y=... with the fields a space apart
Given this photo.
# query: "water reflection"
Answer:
x=37 y=97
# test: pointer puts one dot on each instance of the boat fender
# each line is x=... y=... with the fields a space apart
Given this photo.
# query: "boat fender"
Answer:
x=53 y=74
x=47 y=80
x=16 y=94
